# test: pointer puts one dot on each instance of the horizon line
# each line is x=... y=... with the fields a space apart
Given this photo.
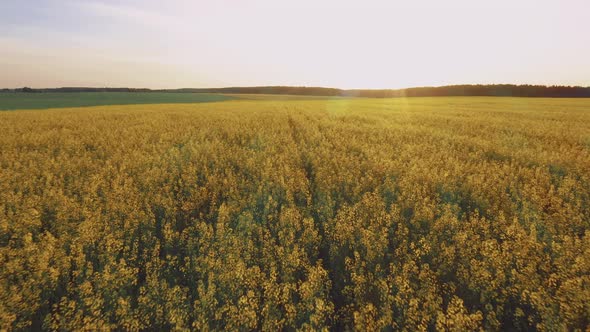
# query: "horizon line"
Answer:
x=299 y=86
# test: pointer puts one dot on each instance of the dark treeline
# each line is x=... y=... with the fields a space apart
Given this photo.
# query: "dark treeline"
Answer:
x=499 y=90
x=78 y=89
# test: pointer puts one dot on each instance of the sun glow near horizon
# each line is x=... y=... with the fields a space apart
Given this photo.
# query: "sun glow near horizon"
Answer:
x=345 y=44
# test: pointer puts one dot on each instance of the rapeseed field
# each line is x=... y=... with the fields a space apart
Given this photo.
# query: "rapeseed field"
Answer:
x=418 y=214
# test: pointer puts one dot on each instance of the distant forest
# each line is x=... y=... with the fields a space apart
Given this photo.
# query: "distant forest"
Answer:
x=497 y=90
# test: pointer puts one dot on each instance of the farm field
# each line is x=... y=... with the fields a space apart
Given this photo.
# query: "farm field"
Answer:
x=450 y=213
x=16 y=101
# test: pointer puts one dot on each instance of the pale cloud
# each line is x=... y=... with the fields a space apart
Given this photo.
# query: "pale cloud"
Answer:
x=23 y=64
x=129 y=14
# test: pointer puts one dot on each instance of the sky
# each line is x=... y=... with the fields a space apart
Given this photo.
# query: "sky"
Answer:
x=331 y=43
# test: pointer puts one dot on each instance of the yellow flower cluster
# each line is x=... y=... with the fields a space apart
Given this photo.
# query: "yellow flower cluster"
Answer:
x=450 y=214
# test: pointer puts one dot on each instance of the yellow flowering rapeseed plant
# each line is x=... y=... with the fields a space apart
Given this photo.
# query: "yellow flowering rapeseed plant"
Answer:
x=451 y=214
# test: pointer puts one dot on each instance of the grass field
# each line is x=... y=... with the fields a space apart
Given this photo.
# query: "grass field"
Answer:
x=16 y=101
x=261 y=96
x=451 y=214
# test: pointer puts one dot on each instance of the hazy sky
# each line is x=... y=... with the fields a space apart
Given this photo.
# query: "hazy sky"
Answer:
x=336 y=43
